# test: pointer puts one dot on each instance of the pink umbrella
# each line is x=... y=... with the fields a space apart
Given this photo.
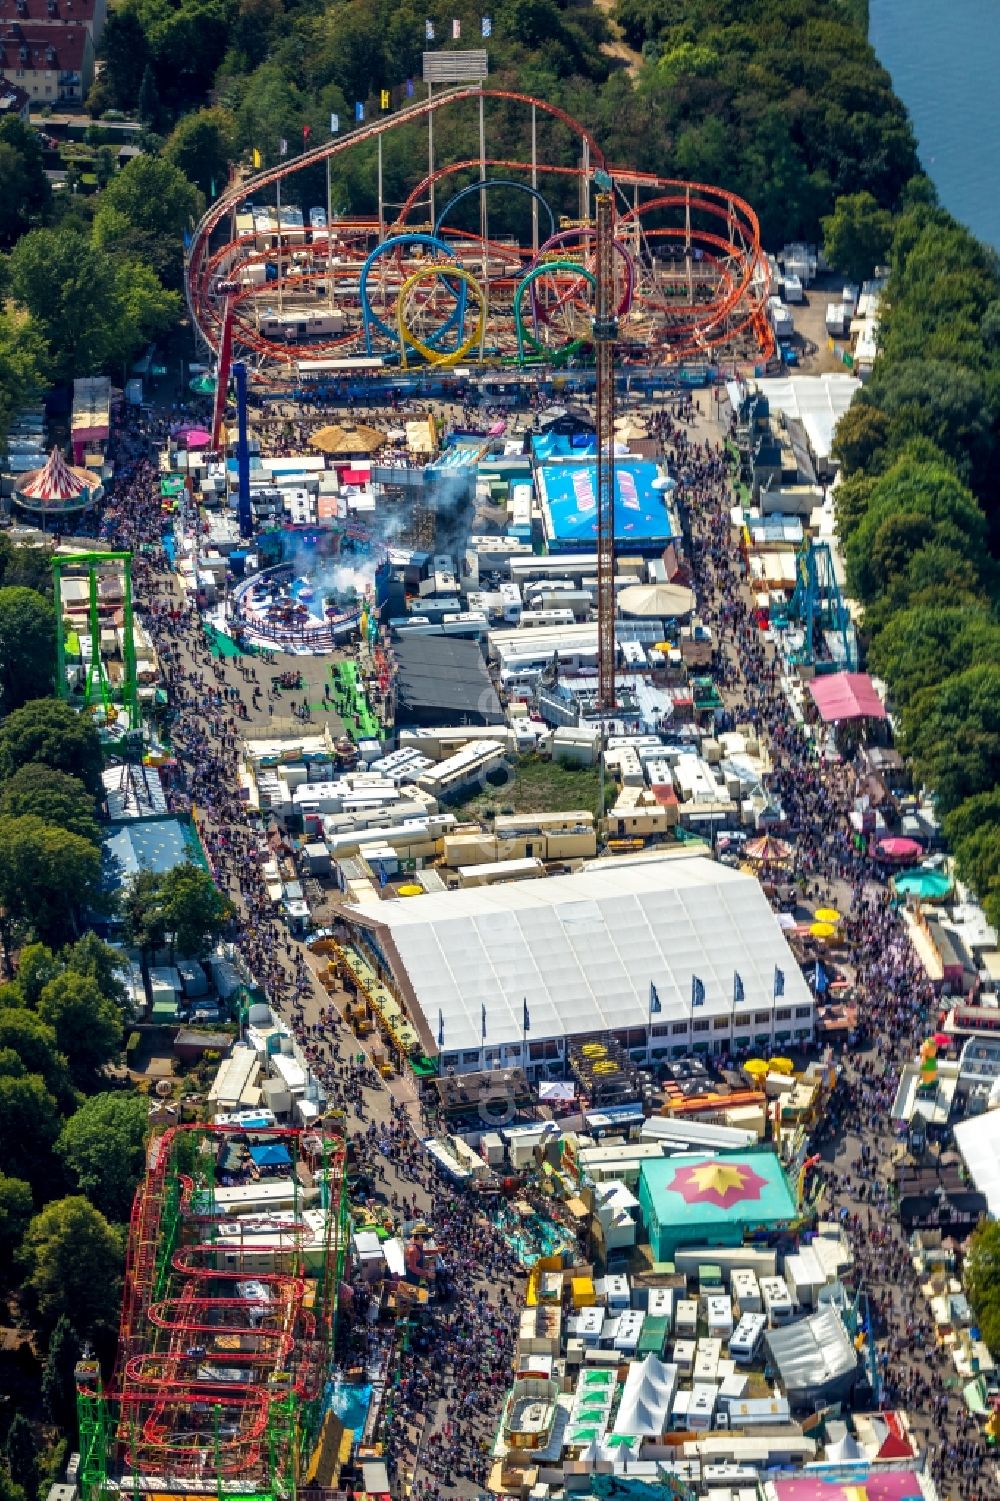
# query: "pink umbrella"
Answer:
x=899 y=848
x=196 y=437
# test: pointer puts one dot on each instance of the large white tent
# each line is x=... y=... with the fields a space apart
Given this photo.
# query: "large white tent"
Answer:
x=978 y=1140
x=580 y=952
x=817 y=401
x=644 y=1411
x=815 y=1357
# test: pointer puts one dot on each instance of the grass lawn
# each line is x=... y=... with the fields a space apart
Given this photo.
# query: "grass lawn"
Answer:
x=532 y=785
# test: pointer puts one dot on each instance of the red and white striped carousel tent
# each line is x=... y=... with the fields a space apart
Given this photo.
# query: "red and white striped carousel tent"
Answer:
x=58 y=487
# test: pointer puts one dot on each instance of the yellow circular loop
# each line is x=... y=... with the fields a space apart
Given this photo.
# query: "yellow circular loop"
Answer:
x=408 y=337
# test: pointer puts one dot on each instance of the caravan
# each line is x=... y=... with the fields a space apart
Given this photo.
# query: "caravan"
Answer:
x=746 y=1338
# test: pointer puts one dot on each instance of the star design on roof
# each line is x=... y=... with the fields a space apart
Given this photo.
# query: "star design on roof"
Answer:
x=717 y=1182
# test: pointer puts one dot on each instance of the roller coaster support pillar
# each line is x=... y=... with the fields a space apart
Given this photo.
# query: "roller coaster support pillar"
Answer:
x=244 y=509
x=222 y=378
x=605 y=334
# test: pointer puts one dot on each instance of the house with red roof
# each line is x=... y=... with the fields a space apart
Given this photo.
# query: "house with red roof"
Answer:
x=52 y=64
x=90 y=14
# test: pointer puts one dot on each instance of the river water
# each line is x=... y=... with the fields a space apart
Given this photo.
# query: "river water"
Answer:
x=945 y=64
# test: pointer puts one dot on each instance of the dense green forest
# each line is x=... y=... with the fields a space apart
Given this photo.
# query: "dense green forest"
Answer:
x=784 y=103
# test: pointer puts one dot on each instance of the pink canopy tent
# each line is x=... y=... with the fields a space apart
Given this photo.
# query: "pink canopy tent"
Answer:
x=57 y=486
x=846 y=695
x=898 y=847
x=196 y=437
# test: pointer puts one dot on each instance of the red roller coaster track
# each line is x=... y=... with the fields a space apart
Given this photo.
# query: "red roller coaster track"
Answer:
x=710 y=295
x=217 y=1325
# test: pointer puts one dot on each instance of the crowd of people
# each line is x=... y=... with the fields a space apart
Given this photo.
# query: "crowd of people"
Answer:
x=445 y=1395
x=896 y=1005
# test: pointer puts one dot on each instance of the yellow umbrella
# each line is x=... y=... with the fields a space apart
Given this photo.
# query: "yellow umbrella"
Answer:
x=411 y=890
x=827 y=914
x=822 y=930
x=780 y=1065
x=756 y=1068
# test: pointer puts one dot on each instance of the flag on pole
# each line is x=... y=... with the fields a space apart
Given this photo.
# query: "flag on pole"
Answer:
x=820 y=979
x=359 y=111
x=654 y=1000
x=456 y=29
x=334 y=124
x=307 y=131
x=409 y=88
x=385 y=98
x=428 y=31
x=526 y=1019
x=484 y=1021
x=487 y=28
x=779 y=982
x=282 y=147
x=440 y=1029
x=739 y=994
x=255 y=157
x=697 y=991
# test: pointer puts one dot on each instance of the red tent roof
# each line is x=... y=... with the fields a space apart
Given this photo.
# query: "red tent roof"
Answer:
x=57 y=481
x=846 y=695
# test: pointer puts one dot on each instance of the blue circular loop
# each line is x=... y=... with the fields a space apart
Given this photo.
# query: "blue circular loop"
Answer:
x=399 y=242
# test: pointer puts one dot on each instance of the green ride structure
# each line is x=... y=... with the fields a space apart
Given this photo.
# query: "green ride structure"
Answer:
x=236 y=1250
x=106 y=578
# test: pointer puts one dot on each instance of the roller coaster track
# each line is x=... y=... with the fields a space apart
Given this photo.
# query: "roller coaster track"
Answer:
x=237 y=193
x=713 y=294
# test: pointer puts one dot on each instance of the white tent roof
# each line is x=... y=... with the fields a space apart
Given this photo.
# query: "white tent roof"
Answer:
x=645 y=1406
x=812 y=1352
x=844 y=1448
x=978 y=1140
x=818 y=401
x=582 y=949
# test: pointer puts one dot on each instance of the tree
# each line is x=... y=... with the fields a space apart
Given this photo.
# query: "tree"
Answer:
x=126 y=55
x=53 y=795
x=103 y=964
x=48 y=730
x=88 y=1026
x=982 y=1280
x=23 y=365
x=861 y=439
x=202 y=146
x=103 y=1144
x=977 y=858
x=22 y=1455
x=93 y=307
x=27 y=566
x=144 y=212
x=924 y=645
x=912 y=505
x=28 y=1128
x=36 y=966
x=16 y=1209
x=857 y=235
x=974 y=813
x=73 y=1266
x=25 y=193
x=34 y=1042
x=937 y=399
x=195 y=910
x=148 y=106
x=27 y=646
x=143 y=913
x=59 y=1377
x=48 y=878
x=952 y=732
